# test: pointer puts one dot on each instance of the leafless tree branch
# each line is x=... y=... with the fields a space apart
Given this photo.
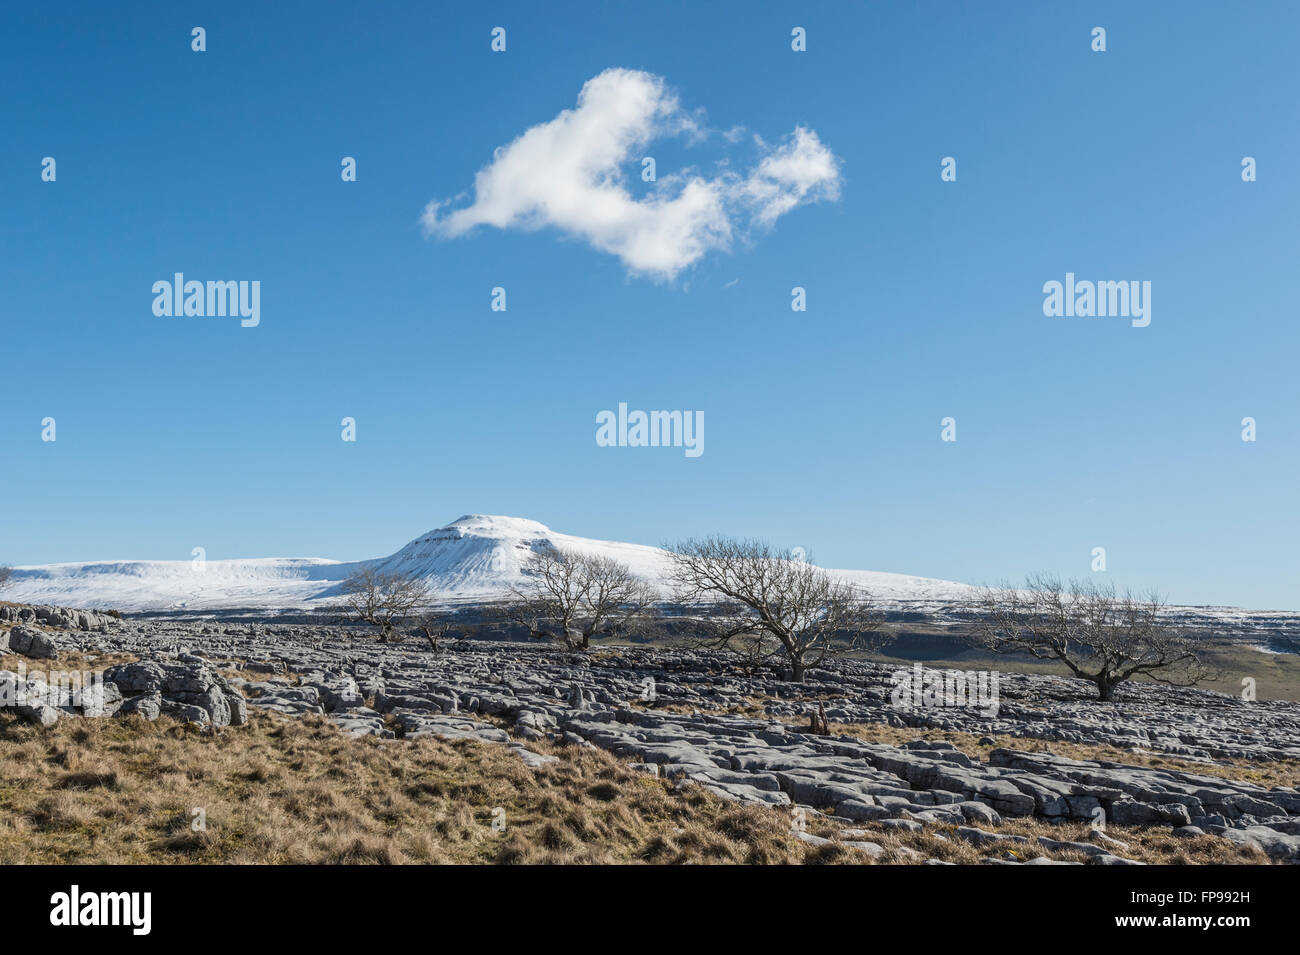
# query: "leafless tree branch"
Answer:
x=762 y=604
x=1099 y=635
x=573 y=598
x=383 y=599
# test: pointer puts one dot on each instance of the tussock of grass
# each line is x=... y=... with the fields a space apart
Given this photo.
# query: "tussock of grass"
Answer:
x=297 y=790
x=68 y=660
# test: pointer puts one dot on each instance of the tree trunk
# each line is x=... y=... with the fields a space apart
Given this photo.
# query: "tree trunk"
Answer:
x=1106 y=688
x=796 y=669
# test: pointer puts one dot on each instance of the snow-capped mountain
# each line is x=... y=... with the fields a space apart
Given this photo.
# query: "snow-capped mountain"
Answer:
x=477 y=558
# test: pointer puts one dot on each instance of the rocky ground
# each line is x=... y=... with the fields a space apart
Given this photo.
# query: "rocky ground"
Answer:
x=666 y=712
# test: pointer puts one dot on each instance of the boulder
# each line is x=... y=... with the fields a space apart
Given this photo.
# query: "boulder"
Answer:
x=181 y=689
x=1130 y=812
x=33 y=700
x=1276 y=845
x=148 y=705
x=32 y=643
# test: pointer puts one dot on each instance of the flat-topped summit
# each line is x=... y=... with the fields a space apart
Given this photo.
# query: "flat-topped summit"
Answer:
x=494 y=525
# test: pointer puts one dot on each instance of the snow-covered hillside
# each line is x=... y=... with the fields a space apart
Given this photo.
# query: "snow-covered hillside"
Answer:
x=476 y=558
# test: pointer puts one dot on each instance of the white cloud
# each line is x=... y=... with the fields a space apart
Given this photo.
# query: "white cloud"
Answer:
x=794 y=173
x=567 y=174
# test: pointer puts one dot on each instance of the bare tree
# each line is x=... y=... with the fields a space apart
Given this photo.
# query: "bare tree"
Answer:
x=1101 y=636
x=383 y=599
x=5 y=573
x=763 y=603
x=433 y=627
x=572 y=598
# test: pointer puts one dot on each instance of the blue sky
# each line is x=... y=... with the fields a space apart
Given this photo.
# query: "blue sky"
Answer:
x=822 y=428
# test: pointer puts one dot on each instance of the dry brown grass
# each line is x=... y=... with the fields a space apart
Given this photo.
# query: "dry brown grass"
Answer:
x=284 y=790
x=66 y=660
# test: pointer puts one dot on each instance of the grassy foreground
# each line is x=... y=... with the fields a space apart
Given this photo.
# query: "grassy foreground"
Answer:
x=284 y=790
x=297 y=790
